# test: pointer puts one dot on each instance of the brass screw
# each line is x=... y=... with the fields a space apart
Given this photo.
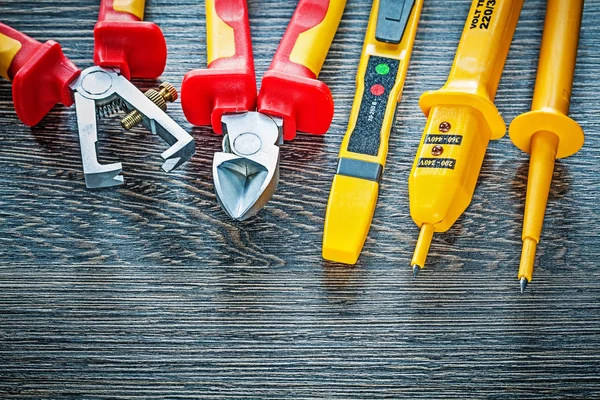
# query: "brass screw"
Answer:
x=159 y=97
x=444 y=127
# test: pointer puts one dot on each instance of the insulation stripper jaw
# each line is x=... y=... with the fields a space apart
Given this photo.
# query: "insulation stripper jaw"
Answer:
x=97 y=87
x=125 y=47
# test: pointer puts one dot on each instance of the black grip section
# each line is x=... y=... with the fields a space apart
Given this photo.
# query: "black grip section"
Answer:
x=392 y=19
x=360 y=169
x=379 y=79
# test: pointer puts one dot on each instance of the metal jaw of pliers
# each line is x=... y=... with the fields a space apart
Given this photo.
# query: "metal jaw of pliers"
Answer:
x=96 y=87
x=291 y=98
x=246 y=172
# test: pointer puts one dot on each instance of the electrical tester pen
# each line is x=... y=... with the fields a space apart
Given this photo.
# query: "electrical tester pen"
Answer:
x=461 y=120
x=383 y=64
x=546 y=132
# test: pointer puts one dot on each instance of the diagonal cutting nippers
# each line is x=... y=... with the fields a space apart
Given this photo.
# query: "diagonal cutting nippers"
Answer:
x=290 y=99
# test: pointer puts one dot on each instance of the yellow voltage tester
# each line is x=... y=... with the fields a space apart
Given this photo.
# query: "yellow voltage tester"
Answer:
x=547 y=132
x=461 y=120
x=384 y=61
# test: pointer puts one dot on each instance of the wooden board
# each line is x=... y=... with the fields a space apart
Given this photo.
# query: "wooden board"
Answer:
x=150 y=291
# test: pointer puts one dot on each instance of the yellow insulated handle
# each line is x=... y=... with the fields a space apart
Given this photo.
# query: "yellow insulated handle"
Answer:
x=554 y=82
x=483 y=47
x=479 y=61
x=9 y=48
x=134 y=7
x=461 y=119
x=312 y=45
x=220 y=35
x=558 y=54
x=307 y=39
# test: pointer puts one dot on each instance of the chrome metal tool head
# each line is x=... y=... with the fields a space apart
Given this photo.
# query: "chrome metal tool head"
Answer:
x=246 y=172
x=106 y=88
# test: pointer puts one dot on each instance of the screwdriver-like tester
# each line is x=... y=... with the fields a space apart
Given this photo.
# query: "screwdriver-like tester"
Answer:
x=381 y=73
x=546 y=132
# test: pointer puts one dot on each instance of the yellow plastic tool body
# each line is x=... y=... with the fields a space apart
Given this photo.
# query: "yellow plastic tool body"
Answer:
x=220 y=41
x=379 y=83
x=547 y=132
x=312 y=46
x=461 y=119
x=134 y=7
x=9 y=48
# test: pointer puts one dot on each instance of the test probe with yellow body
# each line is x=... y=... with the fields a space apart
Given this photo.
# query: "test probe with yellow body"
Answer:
x=546 y=132
x=381 y=73
x=461 y=120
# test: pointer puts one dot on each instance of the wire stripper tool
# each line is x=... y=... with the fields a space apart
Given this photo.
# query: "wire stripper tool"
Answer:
x=461 y=120
x=291 y=98
x=381 y=73
x=546 y=132
x=42 y=76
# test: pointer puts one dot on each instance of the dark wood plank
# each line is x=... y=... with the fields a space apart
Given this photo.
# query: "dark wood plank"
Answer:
x=149 y=291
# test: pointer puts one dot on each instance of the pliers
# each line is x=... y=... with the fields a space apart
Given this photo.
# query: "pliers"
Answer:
x=291 y=98
x=42 y=76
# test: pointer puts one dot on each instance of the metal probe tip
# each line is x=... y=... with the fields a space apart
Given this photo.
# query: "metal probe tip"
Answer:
x=416 y=270
x=523 y=284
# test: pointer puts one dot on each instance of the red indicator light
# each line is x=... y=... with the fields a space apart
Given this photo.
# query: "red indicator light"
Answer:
x=377 y=90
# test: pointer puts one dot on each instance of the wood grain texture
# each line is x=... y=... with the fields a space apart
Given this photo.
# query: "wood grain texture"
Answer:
x=149 y=291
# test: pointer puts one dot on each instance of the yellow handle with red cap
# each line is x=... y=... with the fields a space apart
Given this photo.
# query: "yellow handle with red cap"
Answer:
x=289 y=89
x=32 y=65
x=123 y=40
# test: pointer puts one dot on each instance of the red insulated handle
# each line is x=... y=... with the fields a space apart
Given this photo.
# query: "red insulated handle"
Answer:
x=229 y=83
x=122 y=40
x=306 y=16
x=289 y=88
x=40 y=74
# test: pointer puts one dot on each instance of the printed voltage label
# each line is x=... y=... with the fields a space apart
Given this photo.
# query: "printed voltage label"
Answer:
x=443 y=139
x=482 y=17
x=436 y=163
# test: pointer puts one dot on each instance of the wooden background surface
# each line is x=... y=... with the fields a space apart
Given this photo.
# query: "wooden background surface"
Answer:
x=150 y=291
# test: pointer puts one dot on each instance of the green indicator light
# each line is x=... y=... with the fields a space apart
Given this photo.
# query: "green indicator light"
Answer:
x=382 y=69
